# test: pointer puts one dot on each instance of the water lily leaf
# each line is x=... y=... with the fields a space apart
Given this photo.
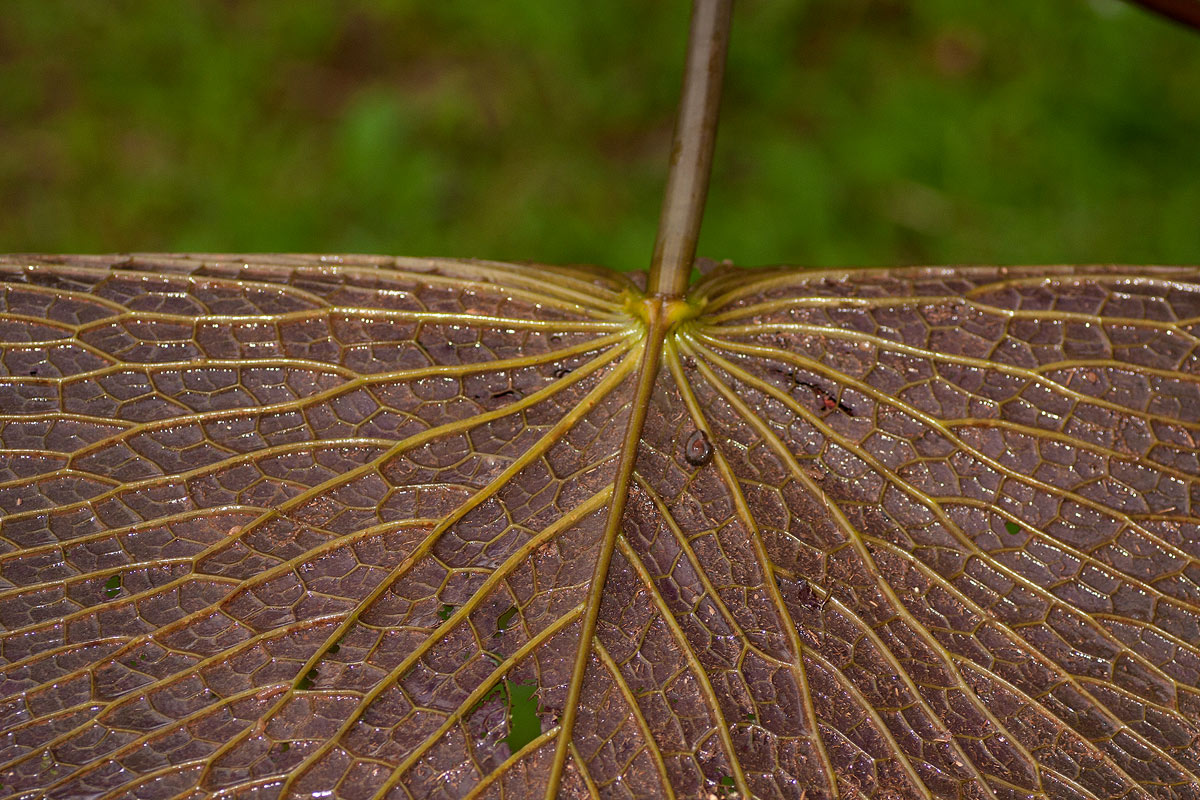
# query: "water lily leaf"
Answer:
x=893 y=534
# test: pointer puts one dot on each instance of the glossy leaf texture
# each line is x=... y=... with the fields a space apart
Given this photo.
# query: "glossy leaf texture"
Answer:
x=293 y=526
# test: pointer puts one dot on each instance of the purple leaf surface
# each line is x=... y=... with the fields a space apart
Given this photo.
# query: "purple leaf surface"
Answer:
x=299 y=526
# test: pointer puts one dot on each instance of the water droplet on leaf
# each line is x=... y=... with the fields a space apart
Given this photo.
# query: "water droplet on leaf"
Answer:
x=698 y=450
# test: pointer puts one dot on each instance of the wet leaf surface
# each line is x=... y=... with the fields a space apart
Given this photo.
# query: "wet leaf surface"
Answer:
x=305 y=527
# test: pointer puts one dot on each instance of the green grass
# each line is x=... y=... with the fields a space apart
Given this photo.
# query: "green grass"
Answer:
x=855 y=131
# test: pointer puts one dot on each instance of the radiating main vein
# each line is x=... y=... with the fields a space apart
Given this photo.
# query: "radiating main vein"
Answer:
x=652 y=348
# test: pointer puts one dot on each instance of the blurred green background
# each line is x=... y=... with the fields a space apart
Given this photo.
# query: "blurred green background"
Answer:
x=854 y=131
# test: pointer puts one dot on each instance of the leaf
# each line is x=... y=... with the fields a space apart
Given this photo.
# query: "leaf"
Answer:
x=907 y=533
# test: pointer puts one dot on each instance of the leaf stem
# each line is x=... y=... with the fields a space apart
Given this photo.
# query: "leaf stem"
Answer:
x=691 y=149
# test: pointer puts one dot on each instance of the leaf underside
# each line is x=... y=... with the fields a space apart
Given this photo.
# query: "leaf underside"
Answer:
x=358 y=528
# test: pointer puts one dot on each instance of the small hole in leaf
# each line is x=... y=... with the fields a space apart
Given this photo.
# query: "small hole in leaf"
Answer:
x=500 y=689
x=445 y=611
x=523 y=723
x=112 y=586
x=333 y=648
x=727 y=782
x=283 y=748
x=505 y=619
x=1012 y=528
x=307 y=681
